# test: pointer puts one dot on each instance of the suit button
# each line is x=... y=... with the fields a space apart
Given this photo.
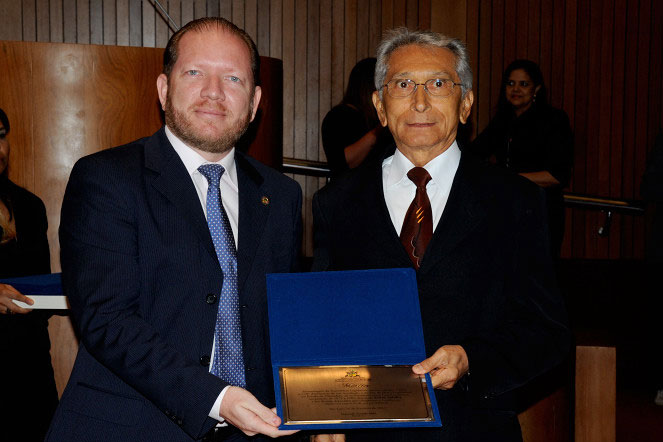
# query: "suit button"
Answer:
x=211 y=298
x=245 y=306
x=204 y=360
x=179 y=422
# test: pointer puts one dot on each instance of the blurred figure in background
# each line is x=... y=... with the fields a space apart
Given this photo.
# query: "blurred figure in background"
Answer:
x=351 y=130
x=531 y=138
x=29 y=397
x=652 y=192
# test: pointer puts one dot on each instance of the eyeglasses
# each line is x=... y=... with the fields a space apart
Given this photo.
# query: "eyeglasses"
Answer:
x=522 y=83
x=436 y=87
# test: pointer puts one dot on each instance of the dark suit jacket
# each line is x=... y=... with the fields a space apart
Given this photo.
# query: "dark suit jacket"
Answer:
x=143 y=280
x=486 y=283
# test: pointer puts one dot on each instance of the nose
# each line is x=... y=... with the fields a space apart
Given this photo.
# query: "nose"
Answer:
x=213 y=88
x=420 y=99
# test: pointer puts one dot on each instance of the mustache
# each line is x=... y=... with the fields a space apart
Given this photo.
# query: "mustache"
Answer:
x=207 y=105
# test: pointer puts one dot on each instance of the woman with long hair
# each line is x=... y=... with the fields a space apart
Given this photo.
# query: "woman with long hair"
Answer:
x=351 y=130
x=531 y=138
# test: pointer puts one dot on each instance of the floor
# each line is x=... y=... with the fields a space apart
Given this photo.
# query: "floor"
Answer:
x=638 y=418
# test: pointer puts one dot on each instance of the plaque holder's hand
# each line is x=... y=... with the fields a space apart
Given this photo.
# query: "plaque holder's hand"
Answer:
x=447 y=365
x=242 y=410
x=7 y=295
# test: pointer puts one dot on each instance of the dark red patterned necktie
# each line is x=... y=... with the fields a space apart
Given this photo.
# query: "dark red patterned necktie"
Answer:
x=418 y=223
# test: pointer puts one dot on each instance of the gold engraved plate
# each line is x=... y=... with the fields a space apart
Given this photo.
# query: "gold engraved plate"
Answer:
x=353 y=393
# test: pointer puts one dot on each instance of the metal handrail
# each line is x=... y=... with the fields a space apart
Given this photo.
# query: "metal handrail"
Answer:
x=574 y=200
x=305 y=167
x=632 y=207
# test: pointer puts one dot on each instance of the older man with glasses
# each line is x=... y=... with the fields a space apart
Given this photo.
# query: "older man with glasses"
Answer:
x=492 y=315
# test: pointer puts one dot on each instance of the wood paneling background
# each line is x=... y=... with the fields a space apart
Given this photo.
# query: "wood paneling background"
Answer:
x=601 y=60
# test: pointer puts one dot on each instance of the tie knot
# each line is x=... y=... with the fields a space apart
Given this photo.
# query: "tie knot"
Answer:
x=419 y=176
x=212 y=172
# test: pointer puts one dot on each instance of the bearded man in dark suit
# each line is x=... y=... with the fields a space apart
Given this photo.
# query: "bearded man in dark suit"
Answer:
x=165 y=245
x=492 y=316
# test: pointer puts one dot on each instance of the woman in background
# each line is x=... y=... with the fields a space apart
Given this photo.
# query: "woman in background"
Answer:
x=351 y=130
x=28 y=396
x=531 y=138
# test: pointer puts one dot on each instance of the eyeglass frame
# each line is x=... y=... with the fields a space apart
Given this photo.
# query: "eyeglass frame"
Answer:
x=445 y=80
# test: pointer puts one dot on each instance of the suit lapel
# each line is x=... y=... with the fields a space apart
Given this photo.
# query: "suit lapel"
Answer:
x=254 y=201
x=461 y=215
x=174 y=183
x=371 y=210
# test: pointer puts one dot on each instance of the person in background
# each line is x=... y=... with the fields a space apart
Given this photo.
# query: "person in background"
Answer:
x=24 y=343
x=351 y=130
x=531 y=138
x=651 y=190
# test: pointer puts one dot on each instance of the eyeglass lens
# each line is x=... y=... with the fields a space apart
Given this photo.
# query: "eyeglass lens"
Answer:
x=435 y=87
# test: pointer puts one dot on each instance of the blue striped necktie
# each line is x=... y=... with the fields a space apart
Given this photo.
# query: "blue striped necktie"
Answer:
x=228 y=363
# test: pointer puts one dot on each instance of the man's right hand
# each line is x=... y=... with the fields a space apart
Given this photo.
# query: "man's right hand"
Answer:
x=242 y=410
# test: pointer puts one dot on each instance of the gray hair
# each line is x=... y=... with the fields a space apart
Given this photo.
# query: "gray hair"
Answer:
x=399 y=37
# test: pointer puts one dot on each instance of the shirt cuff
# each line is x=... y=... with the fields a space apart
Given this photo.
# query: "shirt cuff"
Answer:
x=214 y=412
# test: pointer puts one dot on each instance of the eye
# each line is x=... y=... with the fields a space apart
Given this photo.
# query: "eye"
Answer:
x=193 y=72
x=234 y=79
x=438 y=83
x=511 y=83
x=403 y=84
x=524 y=83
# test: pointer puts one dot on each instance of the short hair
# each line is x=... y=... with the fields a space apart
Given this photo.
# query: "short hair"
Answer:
x=399 y=37
x=5 y=120
x=206 y=23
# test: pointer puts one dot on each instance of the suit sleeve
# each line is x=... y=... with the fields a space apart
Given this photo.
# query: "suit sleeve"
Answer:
x=532 y=335
x=321 y=251
x=101 y=276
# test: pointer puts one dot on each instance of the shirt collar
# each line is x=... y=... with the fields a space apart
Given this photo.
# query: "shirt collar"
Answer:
x=193 y=160
x=441 y=168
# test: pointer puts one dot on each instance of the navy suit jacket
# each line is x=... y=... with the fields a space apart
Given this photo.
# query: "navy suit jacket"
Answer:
x=143 y=280
x=486 y=282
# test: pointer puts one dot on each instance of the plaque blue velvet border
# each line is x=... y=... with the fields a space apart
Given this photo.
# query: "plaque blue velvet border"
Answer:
x=37 y=285
x=362 y=317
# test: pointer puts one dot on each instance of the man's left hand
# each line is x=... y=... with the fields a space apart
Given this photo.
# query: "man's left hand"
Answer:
x=448 y=364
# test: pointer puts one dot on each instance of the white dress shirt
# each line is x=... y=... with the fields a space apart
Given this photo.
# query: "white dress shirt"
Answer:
x=399 y=190
x=229 y=198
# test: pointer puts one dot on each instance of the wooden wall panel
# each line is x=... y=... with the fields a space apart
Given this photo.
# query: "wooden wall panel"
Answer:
x=598 y=58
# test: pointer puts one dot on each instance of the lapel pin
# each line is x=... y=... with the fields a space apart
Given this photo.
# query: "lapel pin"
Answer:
x=265 y=201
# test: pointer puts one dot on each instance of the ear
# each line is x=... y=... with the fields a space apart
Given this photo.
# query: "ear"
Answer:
x=537 y=89
x=257 y=93
x=162 y=90
x=379 y=107
x=466 y=106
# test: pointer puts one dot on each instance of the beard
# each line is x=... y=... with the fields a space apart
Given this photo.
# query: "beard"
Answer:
x=182 y=126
